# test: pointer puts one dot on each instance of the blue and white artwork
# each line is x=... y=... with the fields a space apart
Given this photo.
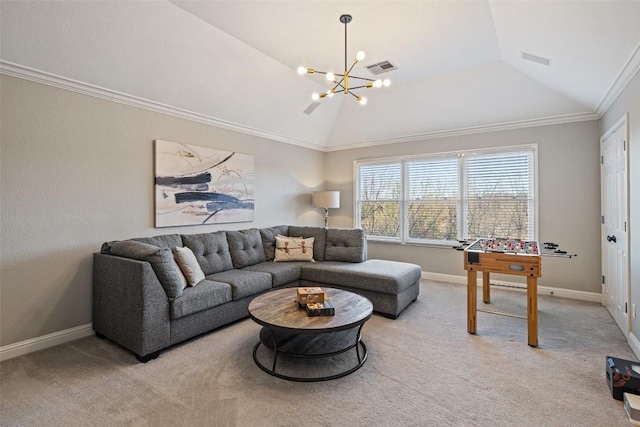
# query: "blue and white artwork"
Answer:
x=199 y=185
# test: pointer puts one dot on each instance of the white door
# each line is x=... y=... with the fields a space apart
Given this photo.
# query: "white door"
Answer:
x=615 y=260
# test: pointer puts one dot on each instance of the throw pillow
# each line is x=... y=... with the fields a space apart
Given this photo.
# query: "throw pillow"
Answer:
x=183 y=280
x=294 y=249
x=189 y=265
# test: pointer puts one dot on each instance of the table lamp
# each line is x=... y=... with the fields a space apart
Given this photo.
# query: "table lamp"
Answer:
x=327 y=200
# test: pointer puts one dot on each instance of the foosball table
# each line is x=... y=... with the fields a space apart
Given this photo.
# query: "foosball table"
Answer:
x=506 y=256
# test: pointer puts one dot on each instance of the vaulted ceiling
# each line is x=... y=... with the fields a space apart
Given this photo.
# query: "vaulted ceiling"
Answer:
x=460 y=65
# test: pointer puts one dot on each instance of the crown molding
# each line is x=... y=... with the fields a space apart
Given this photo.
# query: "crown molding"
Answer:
x=37 y=76
x=628 y=72
x=26 y=73
x=520 y=124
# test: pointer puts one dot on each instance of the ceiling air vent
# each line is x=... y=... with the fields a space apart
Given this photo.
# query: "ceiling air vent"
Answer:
x=534 y=58
x=381 y=67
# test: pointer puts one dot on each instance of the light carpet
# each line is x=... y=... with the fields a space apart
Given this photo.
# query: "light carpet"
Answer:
x=423 y=369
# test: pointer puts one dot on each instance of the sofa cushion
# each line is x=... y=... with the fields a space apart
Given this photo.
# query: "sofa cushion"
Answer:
x=294 y=249
x=211 y=251
x=164 y=241
x=161 y=260
x=387 y=277
x=243 y=282
x=319 y=235
x=206 y=295
x=268 y=236
x=188 y=264
x=282 y=273
x=245 y=247
x=348 y=245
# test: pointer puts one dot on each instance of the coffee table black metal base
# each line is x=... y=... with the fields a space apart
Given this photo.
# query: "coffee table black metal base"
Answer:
x=311 y=346
x=298 y=347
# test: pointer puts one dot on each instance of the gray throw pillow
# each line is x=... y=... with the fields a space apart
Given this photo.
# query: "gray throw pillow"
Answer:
x=161 y=260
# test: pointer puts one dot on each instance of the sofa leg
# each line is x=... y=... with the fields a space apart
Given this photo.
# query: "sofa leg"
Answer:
x=390 y=316
x=150 y=356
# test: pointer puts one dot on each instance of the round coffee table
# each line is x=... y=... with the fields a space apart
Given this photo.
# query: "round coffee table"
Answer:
x=288 y=330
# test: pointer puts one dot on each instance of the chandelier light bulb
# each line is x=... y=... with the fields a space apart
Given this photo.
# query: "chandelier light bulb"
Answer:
x=330 y=76
x=360 y=55
x=315 y=96
x=386 y=82
x=330 y=93
x=363 y=100
x=377 y=83
x=302 y=70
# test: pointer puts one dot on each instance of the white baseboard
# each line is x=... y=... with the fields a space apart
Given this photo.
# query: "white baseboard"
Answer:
x=634 y=343
x=542 y=290
x=40 y=343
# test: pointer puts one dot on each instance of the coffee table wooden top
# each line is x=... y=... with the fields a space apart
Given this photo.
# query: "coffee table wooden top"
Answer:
x=278 y=310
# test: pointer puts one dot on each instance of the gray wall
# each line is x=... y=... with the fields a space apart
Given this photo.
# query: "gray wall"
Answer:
x=569 y=199
x=77 y=171
x=629 y=102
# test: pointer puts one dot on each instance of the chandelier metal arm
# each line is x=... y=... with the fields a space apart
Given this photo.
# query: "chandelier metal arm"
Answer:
x=362 y=78
x=360 y=87
x=355 y=61
x=342 y=79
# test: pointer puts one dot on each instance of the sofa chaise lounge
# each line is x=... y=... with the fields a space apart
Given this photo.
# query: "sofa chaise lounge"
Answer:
x=142 y=304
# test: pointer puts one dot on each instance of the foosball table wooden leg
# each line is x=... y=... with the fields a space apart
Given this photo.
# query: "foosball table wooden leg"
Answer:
x=471 y=301
x=532 y=310
x=486 y=290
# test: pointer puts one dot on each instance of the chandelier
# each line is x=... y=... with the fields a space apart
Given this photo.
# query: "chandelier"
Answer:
x=341 y=81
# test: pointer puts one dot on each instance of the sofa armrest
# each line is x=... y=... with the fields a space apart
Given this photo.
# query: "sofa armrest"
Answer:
x=130 y=305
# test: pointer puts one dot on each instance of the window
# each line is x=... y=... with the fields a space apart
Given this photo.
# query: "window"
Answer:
x=443 y=198
x=380 y=197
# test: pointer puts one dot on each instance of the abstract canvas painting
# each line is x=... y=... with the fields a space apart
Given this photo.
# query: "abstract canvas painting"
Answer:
x=199 y=185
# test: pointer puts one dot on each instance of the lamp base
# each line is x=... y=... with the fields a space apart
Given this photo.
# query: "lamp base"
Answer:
x=326 y=217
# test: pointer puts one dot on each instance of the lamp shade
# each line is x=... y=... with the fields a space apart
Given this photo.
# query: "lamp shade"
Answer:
x=326 y=199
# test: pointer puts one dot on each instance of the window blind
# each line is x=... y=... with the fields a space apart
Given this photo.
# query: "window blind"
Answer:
x=442 y=198
x=498 y=195
x=379 y=196
x=433 y=188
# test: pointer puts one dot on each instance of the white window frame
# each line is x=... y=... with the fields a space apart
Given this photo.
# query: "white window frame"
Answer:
x=462 y=206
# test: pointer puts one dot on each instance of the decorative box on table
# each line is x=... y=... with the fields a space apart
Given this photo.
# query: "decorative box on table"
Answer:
x=324 y=308
x=622 y=378
x=309 y=296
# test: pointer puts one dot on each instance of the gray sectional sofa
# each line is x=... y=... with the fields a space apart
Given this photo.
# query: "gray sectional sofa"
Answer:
x=140 y=303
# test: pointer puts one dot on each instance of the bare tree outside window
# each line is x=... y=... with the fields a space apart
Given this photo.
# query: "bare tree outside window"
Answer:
x=452 y=197
x=379 y=200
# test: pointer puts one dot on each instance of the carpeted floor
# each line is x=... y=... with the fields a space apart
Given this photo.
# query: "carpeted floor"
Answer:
x=423 y=370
